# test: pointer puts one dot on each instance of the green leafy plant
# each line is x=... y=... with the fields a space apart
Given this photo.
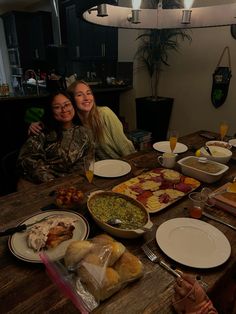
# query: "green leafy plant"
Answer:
x=153 y=51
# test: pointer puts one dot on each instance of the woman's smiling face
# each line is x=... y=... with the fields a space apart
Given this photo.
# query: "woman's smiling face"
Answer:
x=62 y=108
x=84 y=98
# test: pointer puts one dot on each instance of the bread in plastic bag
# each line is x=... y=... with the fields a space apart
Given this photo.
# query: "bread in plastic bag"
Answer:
x=98 y=268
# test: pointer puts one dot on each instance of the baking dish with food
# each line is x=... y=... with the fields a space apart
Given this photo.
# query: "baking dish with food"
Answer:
x=106 y=205
x=204 y=170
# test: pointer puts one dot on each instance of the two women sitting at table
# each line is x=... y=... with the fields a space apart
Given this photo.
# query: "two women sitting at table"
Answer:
x=60 y=147
x=107 y=130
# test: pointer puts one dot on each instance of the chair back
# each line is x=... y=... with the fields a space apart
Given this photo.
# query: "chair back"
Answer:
x=9 y=175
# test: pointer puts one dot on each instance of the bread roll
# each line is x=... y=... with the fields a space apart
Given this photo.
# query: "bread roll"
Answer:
x=101 y=287
x=76 y=250
x=117 y=249
x=108 y=246
x=103 y=239
x=129 y=267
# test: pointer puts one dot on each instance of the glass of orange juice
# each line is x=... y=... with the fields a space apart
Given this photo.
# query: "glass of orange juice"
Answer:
x=173 y=138
x=89 y=161
x=223 y=129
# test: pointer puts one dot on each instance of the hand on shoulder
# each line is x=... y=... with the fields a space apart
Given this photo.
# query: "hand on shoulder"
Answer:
x=35 y=128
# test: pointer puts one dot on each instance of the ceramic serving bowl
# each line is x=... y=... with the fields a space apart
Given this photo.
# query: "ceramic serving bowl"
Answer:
x=232 y=142
x=103 y=205
x=218 y=154
x=202 y=169
x=219 y=143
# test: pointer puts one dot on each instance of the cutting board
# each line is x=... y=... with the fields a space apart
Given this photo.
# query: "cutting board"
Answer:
x=226 y=200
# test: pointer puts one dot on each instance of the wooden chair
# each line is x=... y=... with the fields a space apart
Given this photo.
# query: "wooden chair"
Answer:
x=9 y=175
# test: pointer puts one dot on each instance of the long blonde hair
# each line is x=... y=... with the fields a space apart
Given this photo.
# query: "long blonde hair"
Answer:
x=93 y=120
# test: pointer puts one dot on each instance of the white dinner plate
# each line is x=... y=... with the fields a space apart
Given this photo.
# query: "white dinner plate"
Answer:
x=233 y=142
x=164 y=147
x=18 y=245
x=111 y=168
x=193 y=242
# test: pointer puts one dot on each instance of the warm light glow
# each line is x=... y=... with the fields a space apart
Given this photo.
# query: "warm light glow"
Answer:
x=196 y=17
x=136 y=4
x=188 y=4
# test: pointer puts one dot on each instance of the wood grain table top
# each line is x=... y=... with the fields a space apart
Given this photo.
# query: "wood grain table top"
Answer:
x=26 y=288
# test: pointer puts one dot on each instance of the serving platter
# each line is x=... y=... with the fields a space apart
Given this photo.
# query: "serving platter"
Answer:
x=193 y=242
x=155 y=191
x=17 y=243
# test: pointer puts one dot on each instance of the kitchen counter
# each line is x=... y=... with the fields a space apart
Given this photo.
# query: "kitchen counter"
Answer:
x=97 y=89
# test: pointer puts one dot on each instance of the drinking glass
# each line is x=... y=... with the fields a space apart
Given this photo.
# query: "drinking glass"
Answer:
x=173 y=138
x=223 y=130
x=89 y=167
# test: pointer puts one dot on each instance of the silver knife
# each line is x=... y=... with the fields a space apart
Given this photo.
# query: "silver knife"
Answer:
x=22 y=227
x=219 y=220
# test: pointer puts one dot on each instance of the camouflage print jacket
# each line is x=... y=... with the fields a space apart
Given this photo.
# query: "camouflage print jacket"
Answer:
x=43 y=158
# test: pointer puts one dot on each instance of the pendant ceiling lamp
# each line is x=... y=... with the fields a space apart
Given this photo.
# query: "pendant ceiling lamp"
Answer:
x=108 y=13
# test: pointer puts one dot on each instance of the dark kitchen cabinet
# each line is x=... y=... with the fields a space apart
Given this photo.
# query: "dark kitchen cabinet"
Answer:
x=70 y=29
x=17 y=28
x=27 y=35
x=86 y=41
x=17 y=33
x=41 y=34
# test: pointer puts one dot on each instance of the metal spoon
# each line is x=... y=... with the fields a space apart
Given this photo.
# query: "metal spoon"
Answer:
x=208 y=150
x=114 y=222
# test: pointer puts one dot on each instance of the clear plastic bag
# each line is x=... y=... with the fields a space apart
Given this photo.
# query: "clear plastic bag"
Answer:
x=93 y=270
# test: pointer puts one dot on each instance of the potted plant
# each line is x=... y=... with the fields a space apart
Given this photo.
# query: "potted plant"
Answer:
x=153 y=53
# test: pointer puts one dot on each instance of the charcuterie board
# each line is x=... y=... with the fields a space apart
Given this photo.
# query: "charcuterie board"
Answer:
x=158 y=188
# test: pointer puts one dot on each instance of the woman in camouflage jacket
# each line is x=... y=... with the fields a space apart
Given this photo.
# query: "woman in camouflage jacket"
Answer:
x=59 y=149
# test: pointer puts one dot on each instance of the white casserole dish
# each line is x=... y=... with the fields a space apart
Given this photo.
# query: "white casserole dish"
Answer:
x=202 y=175
x=116 y=231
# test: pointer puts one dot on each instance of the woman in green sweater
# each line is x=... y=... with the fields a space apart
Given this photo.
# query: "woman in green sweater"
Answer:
x=106 y=127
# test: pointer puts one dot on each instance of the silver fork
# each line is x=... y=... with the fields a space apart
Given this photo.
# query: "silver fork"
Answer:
x=155 y=259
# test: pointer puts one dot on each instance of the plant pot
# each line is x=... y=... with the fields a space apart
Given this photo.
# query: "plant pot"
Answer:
x=153 y=115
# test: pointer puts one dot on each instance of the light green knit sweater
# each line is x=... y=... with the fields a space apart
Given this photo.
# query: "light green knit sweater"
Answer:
x=115 y=144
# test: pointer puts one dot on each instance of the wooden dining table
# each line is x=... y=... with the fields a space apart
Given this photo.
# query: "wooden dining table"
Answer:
x=26 y=288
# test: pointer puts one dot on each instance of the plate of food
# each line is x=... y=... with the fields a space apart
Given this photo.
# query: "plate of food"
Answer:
x=193 y=242
x=164 y=147
x=51 y=232
x=158 y=188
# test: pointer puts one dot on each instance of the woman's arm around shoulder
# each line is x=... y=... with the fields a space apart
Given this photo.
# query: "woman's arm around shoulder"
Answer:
x=35 y=128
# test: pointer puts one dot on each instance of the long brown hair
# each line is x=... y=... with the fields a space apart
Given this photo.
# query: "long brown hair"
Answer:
x=94 y=120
